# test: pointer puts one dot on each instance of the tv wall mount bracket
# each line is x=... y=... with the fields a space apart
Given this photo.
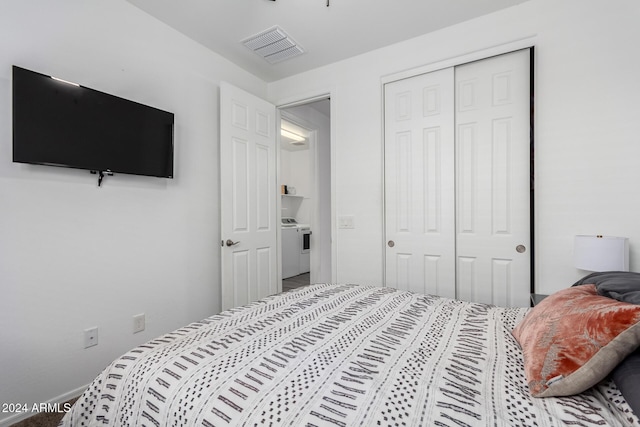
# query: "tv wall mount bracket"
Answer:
x=101 y=175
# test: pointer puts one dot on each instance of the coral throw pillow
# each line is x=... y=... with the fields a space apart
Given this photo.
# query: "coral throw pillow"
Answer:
x=574 y=338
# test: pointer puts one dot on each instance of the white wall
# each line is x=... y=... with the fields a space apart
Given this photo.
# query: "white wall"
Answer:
x=587 y=111
x=300 y=178
x=295 y=173
x=73 y=255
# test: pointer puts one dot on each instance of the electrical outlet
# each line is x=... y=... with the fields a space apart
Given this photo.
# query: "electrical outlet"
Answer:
x=138 y=323
x=90 y=337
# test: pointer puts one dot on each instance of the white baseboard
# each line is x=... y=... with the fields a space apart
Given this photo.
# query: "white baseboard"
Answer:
x=12 y=419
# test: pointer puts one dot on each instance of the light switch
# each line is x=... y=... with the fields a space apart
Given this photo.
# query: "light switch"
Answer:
x=346 y=222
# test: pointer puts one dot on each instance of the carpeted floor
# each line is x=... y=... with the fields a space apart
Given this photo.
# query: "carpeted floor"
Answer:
x=44 y=419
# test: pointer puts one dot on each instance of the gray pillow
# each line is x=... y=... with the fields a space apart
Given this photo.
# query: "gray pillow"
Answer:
x=619 y=285
x=627 y=377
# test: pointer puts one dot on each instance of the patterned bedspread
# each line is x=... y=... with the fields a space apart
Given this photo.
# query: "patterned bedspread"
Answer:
x=343 y=355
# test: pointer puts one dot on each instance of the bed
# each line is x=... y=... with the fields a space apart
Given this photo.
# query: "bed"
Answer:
x=340 y=355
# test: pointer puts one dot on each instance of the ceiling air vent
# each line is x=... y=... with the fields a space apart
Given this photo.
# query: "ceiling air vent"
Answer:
x=274 y=45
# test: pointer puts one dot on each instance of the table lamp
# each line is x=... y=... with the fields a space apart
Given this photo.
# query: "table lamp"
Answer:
x=601 y=253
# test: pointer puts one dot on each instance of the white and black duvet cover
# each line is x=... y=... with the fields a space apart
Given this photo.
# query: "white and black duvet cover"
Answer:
x=338 y=355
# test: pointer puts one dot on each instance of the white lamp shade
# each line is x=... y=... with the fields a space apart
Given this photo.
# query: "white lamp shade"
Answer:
x=601 y=253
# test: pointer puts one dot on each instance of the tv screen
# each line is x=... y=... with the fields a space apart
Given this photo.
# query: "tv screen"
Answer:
x=59 y=123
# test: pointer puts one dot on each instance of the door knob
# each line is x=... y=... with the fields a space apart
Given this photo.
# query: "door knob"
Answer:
x=391 y=243
x=230 y=242
x=521 y=248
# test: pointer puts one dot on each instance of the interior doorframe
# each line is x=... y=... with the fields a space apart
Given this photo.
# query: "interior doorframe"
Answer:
x=295 y=102
x=524 y=43
x=313 y=148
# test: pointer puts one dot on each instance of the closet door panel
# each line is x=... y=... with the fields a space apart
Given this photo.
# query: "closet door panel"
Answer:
x=419 y=184
x=493 y=163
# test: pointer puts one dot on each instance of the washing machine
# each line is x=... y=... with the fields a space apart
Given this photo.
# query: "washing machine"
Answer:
x=290 y=248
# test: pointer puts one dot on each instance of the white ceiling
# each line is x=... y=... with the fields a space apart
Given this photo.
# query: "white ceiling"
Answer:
x=327 y=34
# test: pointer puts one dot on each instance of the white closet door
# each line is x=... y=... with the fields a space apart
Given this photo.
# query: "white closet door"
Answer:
x=457 y=182
x=493 y=180
x=419 y=184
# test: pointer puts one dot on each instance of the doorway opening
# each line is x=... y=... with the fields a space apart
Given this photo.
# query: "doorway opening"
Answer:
x=305 y=193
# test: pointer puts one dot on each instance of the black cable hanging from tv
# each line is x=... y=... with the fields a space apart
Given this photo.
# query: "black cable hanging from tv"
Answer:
x=101 y=175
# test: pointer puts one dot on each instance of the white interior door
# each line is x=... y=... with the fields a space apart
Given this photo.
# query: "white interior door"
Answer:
x=248 y=204
x=493 y=180
x=420 y=184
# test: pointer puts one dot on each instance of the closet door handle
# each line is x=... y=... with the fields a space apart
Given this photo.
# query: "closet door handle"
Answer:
x=391 y=243
x=521 y=248
x=230 y=242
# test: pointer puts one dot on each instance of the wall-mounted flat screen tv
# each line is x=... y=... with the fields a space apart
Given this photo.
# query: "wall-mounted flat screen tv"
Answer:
x=59 y=123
